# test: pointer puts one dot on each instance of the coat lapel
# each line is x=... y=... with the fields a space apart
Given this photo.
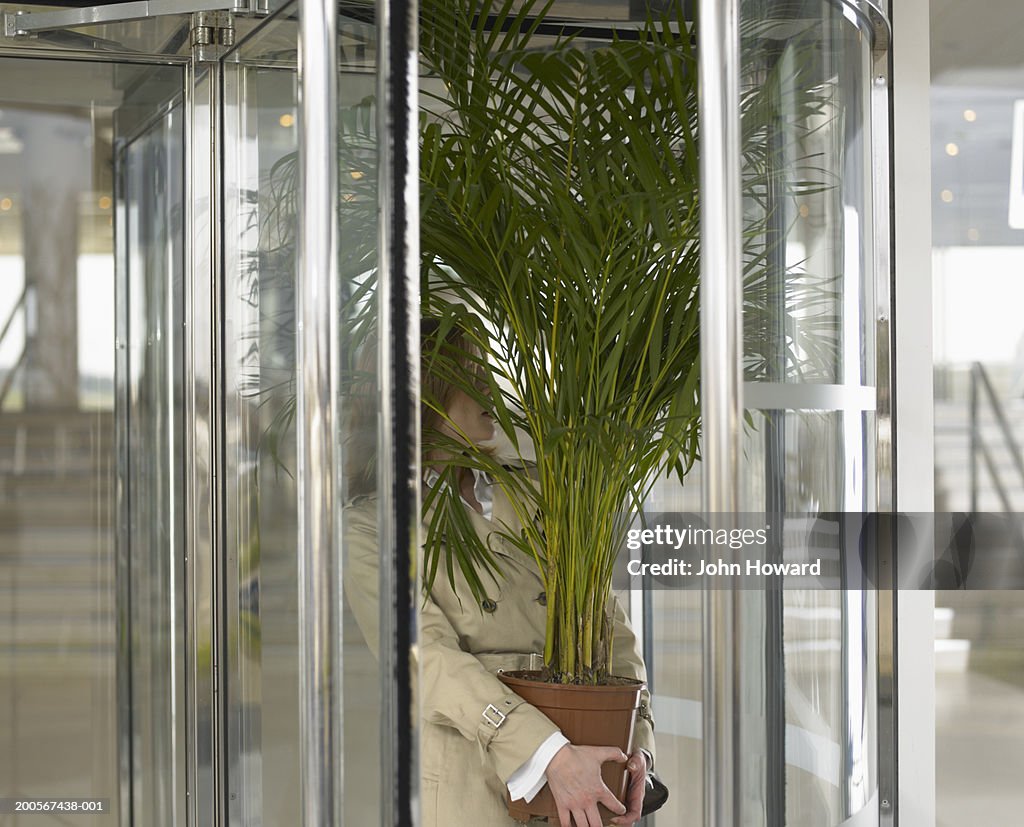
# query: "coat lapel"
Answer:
x=504 y=519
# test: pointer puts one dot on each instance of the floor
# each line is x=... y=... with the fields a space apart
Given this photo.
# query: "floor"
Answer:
x=980 y=751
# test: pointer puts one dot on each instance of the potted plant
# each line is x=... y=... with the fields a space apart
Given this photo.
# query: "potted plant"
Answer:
x=559 y=206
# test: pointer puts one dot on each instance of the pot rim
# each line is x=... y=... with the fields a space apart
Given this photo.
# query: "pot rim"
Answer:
x=523 y=676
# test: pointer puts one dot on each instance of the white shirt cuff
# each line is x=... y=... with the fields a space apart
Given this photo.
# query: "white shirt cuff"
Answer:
x=531 y=777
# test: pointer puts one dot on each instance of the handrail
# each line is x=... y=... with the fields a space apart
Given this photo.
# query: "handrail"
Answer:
x=1001 y=492
x=13 y=313
x=980 y=378
x=9 y=378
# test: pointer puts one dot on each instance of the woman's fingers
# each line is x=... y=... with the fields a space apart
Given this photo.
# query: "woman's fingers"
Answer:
x=574 y=777
x=637 y=767
x=594 y=816
x=609 y=800
x=611 y=754
x=606 y=796
x=635 y=800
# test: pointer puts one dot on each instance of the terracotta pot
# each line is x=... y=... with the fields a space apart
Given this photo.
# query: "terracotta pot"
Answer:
x=598 y=716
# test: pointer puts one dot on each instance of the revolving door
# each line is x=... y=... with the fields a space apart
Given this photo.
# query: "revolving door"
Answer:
x=794 y=707
x=242 y=211
x=156 y=161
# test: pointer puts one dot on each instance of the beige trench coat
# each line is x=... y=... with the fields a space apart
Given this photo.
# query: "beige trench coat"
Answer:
x=465 y=761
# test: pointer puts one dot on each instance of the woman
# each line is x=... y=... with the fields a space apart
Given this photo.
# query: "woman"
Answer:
x=479 y=740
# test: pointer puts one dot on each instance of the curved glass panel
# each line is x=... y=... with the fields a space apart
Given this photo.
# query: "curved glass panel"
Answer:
x=977 y=237
x=809 y=665
x=262 y=214
x=261 y=91
x=806 y=659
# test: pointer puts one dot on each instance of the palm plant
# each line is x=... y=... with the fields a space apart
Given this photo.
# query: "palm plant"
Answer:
x=559 y=229
x=559 y=205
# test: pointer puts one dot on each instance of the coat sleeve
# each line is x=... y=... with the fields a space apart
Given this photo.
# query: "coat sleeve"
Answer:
x=458 y=691
x=628 y=662
x=454 y=689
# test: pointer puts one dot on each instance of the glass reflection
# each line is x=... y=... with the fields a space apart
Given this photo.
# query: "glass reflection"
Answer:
x=261 y=186
x=260 y=367
x=809 y=299
x=150 y=165
x=977 y=226
x=75 y=160
x=807 y=658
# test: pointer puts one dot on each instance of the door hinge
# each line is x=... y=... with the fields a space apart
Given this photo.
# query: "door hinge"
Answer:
x=213 y=33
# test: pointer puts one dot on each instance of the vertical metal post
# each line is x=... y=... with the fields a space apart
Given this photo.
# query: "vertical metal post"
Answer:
x=203 y=417
x=721 y=401
x=883 y=212
x=320 y=663
x=775 y=459
x=398 y=296
x=122 y=571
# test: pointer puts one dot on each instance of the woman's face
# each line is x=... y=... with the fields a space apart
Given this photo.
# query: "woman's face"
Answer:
x=469 y=417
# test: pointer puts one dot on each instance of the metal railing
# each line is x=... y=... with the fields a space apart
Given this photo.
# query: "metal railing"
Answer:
x=981 y=387
x=13 y=371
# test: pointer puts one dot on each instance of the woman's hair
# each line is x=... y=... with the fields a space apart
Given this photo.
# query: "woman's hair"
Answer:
x=447 y=356
x=447 y=351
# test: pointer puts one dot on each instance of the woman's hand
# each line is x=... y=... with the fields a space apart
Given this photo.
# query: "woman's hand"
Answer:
x=574 y=777
x=637 y=767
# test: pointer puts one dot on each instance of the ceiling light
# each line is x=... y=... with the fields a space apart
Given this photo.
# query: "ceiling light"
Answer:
x=947 y=196
x=105 y=202
x=970 y=115
x=286 y=120
x=6 y=204
x=804 y=211
x=952 y=150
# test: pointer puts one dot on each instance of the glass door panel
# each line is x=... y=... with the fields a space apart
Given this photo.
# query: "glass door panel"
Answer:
x=809 y=657
x=176 y=368
x=261 y=142
x=89 y=153
x=262 y=219
x=58 y=642
x=150 y=227
x=806 y=661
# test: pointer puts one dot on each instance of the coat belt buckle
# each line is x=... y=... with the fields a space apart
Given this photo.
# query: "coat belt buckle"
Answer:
x=494 y=716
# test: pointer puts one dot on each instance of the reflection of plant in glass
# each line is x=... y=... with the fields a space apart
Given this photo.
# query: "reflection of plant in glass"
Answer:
x=789 y=117
x=273 y=269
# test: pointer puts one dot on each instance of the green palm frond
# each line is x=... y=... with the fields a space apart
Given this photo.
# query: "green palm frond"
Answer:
x=559 y=204
x=559 y=193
